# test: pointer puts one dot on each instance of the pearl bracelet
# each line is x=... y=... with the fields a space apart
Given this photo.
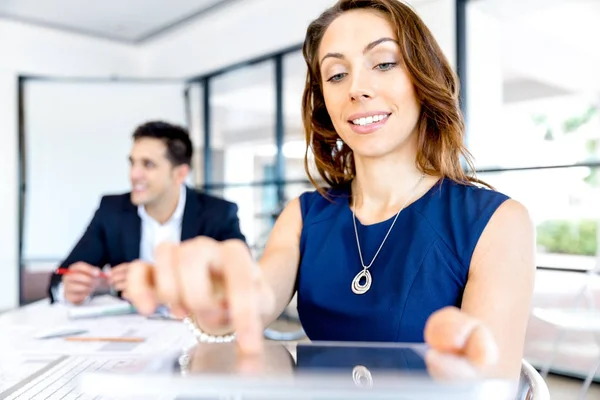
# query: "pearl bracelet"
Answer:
x=204 y=337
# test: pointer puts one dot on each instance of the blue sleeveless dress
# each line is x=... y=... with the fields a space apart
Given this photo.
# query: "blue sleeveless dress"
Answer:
x=422 y=267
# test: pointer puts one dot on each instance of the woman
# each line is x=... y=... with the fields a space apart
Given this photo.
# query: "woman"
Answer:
x=401 y=234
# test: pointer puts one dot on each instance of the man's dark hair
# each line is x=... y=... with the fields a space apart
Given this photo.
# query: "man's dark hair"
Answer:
x=176 y=138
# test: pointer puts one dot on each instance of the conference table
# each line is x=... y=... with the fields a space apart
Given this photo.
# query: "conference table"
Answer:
x=55 y=352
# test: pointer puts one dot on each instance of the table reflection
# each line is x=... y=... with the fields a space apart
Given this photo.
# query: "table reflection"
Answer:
x=316 y=370
x=360 y=363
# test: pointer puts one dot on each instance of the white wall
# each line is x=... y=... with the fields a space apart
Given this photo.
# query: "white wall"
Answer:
x=248 y=29
x=28 y=50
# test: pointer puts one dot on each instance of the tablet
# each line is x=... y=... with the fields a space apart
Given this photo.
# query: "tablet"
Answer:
x=315 y=370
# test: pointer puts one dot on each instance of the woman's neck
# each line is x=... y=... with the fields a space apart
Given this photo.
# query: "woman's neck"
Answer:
x=383 y=186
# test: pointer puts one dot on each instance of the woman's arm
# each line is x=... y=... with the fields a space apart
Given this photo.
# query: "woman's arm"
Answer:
x=500 y=283
x=280 y=259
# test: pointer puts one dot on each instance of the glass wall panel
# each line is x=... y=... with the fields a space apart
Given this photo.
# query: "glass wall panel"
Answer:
x=294 y=145
x=195 y=121
x=533 y=90
x=563 y=203
x=242 y=111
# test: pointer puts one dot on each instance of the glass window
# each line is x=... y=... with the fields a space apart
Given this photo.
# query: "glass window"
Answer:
x=294 y=72
x=533 y=91
x=259 y=208
x=257 y=212
x=242 y=110
x=563 y=203
x=194 y=100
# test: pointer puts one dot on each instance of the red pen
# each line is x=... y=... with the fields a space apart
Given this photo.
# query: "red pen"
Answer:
x=65 y=271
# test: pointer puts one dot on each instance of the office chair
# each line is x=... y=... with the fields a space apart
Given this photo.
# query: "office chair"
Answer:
x=531 y=385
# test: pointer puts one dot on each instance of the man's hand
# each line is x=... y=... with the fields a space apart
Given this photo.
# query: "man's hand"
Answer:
x=80 y=282
x=117 y=276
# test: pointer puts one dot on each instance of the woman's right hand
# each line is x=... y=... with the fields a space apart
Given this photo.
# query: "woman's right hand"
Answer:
x=217 y=283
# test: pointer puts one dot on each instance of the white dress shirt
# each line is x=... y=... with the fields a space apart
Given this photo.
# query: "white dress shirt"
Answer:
x=152 y=234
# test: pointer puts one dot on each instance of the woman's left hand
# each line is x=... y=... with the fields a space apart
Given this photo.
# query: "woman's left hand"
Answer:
x=461 y=347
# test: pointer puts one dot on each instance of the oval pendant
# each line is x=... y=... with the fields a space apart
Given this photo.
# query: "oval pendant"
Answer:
x=362 y=376
x=357 y=286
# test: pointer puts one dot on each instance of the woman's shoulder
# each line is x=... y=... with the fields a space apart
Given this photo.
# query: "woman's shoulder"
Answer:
x=459 y=213
x=474 y=196
x=321 y=203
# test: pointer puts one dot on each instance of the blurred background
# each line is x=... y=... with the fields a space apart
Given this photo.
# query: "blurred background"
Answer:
x=77 y=77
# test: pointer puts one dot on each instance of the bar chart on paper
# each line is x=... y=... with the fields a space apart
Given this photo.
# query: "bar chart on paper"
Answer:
x=58 y=378
x=14 y=369
x=44 y=353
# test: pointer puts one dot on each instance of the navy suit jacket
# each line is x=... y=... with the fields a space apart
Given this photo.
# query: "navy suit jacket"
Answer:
x=113 y=236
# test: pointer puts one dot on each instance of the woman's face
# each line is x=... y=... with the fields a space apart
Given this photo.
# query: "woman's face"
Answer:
x=368 y=93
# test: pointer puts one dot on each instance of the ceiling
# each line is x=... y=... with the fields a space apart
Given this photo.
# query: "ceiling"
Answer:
x=128 y=21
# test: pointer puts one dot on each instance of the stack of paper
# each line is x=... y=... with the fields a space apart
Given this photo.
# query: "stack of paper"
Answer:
x=107 y=307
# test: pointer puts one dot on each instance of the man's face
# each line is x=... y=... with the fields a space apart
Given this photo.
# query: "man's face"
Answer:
x=151 y=173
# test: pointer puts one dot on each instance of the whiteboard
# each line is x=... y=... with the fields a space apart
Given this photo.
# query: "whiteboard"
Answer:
x=77 y=143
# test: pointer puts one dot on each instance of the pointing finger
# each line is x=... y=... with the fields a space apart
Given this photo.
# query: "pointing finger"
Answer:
x=241 y=285
x=140 y=288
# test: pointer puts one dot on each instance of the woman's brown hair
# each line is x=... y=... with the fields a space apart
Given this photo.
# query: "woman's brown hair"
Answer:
x=440 y=126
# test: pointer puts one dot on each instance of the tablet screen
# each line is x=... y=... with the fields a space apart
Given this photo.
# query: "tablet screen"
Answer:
x=316 y=357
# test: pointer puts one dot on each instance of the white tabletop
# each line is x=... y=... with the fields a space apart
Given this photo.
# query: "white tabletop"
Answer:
x=26 y=358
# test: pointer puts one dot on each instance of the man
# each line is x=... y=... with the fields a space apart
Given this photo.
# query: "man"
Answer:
x=159 y=208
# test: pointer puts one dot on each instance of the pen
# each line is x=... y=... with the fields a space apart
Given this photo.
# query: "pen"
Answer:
x=65 y=271
x=105 y=339
x=62 y=333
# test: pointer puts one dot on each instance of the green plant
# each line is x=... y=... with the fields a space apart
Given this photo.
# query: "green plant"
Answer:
x=571 y=237
x=571 y=126
x=568 y=237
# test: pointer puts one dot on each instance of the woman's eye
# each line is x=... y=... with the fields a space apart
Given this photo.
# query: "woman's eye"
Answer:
x=336 y=77
x=386 y=66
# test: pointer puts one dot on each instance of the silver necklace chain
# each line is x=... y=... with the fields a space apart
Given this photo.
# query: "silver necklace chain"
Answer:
x=357 y=286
